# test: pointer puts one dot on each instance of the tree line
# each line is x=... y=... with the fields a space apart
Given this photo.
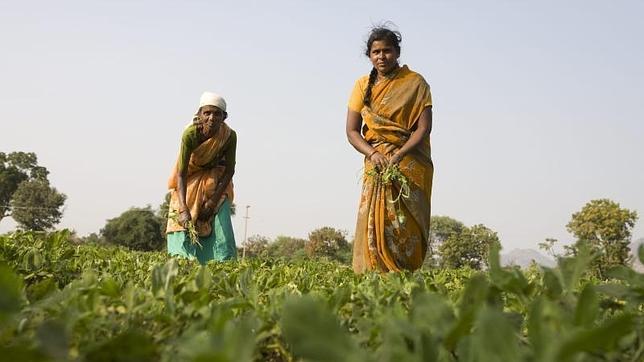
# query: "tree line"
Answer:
x=25 y=193
x=601 y=227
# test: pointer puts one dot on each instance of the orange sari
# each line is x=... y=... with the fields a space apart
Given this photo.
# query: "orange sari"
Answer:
x=201 y=182
x=384 y=241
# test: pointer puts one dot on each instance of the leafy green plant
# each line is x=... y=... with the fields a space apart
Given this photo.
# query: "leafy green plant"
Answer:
x=391 y=175
x=190 y=228
x=61 y=301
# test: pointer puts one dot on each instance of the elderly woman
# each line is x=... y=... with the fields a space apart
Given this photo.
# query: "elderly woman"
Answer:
x=201 y=189
x=389 y=120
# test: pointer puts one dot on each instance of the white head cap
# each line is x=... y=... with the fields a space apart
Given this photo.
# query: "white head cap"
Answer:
x=212 y=99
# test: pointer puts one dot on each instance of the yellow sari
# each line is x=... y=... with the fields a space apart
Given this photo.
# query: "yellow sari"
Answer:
x=201 y=182
x=384 y=241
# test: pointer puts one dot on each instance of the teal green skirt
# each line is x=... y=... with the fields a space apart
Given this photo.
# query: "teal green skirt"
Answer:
x=219 y=246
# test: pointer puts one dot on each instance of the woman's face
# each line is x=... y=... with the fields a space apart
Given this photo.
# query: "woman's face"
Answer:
x=210 y=118
x=383 y=56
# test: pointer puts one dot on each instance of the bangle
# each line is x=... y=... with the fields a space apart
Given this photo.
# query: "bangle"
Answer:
x=371 y=154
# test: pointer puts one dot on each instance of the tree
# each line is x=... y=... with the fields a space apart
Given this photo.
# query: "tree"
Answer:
x=328 y=242
x=606 y=228
x=164 y=208
x=548 y=245
x=163 y=212
x=256 y=246
x=36 y=205
x=441 y=228
x=136 y=228
x=286 y=247
x=469 y=248
x=92 y=238
x=15 y=168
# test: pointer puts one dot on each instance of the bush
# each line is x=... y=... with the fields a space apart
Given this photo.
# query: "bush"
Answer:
x=287 y=248
x=327 y=242
x=136 y=229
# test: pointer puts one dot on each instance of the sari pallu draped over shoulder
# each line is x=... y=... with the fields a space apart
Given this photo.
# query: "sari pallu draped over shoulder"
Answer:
x=202 y=179
x=383 y=240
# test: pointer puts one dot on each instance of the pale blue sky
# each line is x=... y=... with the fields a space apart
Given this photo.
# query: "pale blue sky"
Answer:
x=537 y=104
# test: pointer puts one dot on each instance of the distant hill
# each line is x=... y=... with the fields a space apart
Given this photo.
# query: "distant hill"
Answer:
x=636 y=263
x=523 y=258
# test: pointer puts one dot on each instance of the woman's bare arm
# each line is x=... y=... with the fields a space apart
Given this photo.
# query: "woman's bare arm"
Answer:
x=182 y=184
x=354 y=122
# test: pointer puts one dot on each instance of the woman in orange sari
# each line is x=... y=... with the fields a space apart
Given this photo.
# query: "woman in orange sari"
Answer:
x=389 y=120
x=201 y=189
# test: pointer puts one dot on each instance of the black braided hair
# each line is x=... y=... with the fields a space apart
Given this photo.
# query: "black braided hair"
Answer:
x=391 y=37
x=367 y=94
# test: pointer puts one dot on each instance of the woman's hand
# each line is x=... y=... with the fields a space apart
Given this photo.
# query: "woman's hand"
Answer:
x=207 y=210
x=184 y=217
x=395 y=159
x=378 y=160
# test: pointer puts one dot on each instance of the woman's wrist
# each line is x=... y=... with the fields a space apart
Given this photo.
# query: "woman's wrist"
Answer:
x=210 y=205
x=371 y=154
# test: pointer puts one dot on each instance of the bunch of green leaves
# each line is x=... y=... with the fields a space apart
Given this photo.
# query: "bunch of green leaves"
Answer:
x=189 y=226
x=391 y=175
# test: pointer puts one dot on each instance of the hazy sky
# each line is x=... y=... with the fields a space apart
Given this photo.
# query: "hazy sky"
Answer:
x=538 y=105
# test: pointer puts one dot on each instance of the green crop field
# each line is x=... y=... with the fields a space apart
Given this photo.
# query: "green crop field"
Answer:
x=60 y=301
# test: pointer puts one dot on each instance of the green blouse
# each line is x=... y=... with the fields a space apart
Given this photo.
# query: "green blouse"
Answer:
x=190 y=141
